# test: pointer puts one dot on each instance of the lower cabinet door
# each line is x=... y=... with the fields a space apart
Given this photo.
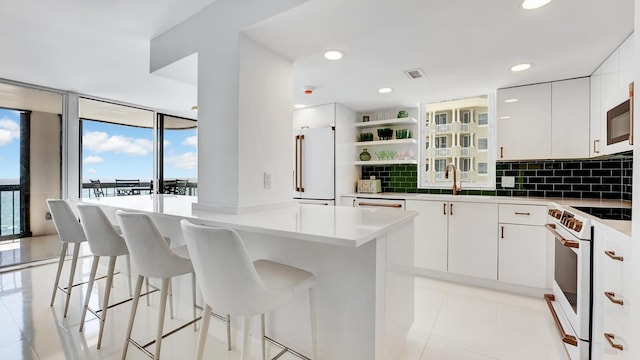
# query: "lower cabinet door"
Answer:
x=431 y=234
x=473 y=245
x=522 y=255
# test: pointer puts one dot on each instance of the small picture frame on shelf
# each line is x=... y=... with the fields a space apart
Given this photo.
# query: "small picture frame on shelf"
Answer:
x=365 y=118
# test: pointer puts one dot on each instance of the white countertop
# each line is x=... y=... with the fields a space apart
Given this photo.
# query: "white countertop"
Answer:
x=621 y=226
x=335 y=225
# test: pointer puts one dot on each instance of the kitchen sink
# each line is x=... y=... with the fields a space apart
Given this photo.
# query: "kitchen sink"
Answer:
x=606 y=213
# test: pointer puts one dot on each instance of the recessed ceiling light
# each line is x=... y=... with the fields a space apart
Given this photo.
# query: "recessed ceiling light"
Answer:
x=505 y=117
x=520 y=67
x=299 y=106
x=333 y=55
x=385 y=90
x=194 y=108
x=511 y=100
x=534 y=4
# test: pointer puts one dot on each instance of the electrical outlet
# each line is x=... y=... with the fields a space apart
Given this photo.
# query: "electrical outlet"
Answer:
x=267 y=180
x=508 y=182
x=47 y=216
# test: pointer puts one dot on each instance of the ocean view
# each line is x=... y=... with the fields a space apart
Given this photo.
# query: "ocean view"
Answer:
x=9 y=208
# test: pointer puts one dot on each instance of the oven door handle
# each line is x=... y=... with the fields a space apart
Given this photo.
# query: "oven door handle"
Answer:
x=566 y=338
x=568 y=243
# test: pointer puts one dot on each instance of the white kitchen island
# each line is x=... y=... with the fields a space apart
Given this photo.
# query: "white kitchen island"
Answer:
x=361 y=258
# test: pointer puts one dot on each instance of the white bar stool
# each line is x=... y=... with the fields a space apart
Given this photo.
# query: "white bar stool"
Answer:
x=69 y=232
x=238 y=286
x=153 y=258
x=103 y=240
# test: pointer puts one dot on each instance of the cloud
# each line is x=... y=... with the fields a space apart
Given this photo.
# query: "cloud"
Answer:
x=167 y=143
x=92 y=160
x=99 y=141
x=191 y=141
x=186 y=161
x=92 y=171
x=9 y=130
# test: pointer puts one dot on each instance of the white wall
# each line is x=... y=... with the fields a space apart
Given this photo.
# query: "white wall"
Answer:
x=214 y=33
x=265 y=115
x=347 y=174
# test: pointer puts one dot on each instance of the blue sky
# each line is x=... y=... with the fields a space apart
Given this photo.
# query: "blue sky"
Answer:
x=109 y=151
x=9 y=144
x=112 y=151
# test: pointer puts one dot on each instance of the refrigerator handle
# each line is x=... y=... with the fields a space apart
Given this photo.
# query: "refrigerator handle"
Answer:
x=295 y=173
x=301 y=159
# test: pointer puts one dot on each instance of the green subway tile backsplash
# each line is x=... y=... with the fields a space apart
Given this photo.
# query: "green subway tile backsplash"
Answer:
x=602 y=178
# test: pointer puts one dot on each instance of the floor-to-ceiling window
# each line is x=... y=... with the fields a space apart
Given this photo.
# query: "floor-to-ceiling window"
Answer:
x=178 y=151
x=10 y=172
x=117 y=149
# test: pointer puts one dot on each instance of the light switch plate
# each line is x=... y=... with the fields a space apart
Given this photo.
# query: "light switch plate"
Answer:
x=508 y=181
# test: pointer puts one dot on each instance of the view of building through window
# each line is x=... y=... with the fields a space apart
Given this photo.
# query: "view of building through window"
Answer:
x=458 y=133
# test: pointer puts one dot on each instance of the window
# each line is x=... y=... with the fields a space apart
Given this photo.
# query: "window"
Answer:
x=483 y=119
x=440 y=164
x=468 y=142
x=441 y=119
x=466 y=117
x=178 y=169
x=465 y=141
x=427 y=119
x=482 y=144
x=465 y=164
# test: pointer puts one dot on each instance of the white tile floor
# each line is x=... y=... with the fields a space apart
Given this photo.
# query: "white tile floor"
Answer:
x=452 y=322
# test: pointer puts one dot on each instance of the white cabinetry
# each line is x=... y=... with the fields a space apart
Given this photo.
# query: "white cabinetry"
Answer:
x=544 y=121
x=523 y=249
x=610 y=87
x=524 y=122
x=570 y=118
x=431 y=234
x=472 y=246
x=612 y=281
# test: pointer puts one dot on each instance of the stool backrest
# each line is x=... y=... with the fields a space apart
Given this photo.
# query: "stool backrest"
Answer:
x=66 y=223
x=227 y=277
x=103 y=238
x=149 y=251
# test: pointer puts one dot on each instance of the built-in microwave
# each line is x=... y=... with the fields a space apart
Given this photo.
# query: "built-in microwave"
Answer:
x=620 y=121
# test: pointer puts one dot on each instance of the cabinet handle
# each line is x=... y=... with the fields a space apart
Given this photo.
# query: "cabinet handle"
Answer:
x=566 y=338
x=610 y=337
x=612 y=254
x=380 y=205
x=595 y=146
x=522 y=213
x=451 y=209
x=502 y=232
x=612 y=297
x=501 y=152
x=353 y=203
x=444 y=208
x=631 y=113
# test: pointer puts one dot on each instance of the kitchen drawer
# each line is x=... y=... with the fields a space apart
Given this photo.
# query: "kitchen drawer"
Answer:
x=620 y=338
x=522 y=214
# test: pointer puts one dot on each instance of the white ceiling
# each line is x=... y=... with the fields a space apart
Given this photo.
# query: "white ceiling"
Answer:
x=101 y=48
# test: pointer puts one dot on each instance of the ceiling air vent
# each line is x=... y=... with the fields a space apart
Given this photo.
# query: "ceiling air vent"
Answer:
x=414 y=73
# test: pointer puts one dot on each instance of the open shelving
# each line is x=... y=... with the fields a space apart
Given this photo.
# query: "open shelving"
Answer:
x=387 y=142
x=387 y=122
x=385 y=162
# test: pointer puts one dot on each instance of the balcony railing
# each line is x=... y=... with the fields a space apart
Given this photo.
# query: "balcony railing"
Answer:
x=111 y=188
x=443 y=152
x=9 y=211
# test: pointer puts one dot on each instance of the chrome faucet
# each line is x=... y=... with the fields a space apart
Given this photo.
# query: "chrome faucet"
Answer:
x=455 y=187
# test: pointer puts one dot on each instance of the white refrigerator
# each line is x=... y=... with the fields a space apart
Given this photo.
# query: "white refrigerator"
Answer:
x=314 y=164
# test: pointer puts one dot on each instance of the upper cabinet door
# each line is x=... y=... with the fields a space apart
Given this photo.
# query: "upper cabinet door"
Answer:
x=524 y=125
x=570 y=118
